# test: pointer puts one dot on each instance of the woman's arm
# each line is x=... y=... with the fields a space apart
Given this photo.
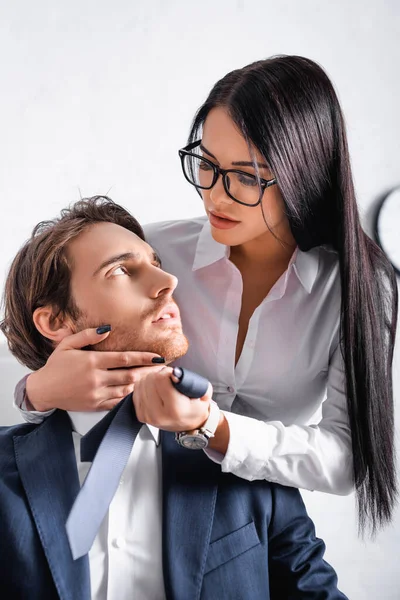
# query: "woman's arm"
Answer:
x=25 y=408
x=314 y=457
x=81 y=380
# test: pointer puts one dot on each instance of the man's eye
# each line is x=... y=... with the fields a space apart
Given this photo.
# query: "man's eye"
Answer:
x=120 y=271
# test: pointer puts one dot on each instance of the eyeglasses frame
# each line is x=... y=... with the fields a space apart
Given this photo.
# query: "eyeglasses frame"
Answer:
x=186 y=151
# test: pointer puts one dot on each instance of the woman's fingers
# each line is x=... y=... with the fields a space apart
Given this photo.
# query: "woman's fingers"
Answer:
x=118 y=377
x=89 y=380
x=109 y=404
x=118 y=360
x=86 y=337
x=113 y=395
x=105 y=360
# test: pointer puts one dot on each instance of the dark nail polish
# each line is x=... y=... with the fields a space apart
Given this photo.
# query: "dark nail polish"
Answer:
x=103 y=329
x=158 y=360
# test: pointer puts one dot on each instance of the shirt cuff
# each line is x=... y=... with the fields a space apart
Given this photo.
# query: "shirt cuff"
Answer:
x=242 y=458
x=20 y=403
x=241 y=431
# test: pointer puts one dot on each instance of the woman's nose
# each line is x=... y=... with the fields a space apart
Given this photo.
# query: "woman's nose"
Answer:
x=218 y=194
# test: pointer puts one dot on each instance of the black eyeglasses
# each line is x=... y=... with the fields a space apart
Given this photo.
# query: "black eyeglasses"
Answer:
x=242 y=187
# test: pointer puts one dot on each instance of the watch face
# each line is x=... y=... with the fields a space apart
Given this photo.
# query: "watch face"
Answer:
x=194 y=442
x=387 y=227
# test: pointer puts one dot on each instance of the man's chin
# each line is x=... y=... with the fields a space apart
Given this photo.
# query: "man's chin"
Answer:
x=171 y=346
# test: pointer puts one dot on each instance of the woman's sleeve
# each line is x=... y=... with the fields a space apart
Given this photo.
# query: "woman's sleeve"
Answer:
x=20 y=403
x=313 y=457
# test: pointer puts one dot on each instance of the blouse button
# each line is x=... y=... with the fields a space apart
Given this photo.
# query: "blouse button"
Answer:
x=118 y=542
x=230 y=389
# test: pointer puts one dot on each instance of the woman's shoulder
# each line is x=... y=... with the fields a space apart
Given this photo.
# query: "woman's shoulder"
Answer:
x=329 y=267
x=318 y=268
x=329 y=257
x=182 y=233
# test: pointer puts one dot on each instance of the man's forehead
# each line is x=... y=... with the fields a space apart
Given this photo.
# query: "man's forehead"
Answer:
x=103 y=240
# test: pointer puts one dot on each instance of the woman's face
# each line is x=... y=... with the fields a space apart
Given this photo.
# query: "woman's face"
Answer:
x=224 y=145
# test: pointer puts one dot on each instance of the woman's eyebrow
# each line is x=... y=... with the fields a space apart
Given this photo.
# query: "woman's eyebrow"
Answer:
x=237 y=163
x=247 y=163
x=207 y=152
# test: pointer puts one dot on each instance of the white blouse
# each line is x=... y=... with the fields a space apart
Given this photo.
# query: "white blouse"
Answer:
x=285 y=400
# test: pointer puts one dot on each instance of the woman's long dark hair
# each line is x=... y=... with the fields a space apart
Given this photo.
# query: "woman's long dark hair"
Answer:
x=287 y=108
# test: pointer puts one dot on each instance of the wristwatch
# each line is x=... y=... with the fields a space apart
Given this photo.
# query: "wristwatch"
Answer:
x=198 y=438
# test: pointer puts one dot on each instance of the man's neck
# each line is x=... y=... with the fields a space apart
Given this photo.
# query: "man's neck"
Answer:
x=82 y=421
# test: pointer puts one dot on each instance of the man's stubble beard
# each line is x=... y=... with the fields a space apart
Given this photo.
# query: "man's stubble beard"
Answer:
x=171 y=346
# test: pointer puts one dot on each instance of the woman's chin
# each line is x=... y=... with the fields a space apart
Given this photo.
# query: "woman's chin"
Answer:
x=227 y=237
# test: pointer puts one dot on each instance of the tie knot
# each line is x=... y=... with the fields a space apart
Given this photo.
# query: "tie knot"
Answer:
x=91 y=441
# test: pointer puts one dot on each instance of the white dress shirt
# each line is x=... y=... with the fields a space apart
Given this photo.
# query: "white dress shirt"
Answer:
x=285 y=399
x=126 y=557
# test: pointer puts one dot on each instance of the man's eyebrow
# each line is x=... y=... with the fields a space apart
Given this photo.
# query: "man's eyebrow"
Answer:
x=123 y=257
x=239 y=163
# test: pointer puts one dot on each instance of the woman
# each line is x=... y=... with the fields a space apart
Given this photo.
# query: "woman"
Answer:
x=284 y=298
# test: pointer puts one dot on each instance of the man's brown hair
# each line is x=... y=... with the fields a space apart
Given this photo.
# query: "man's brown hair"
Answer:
x=40 y=275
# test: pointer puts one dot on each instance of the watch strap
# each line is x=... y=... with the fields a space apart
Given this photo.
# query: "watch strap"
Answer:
x=210 y=426
x=205 y=432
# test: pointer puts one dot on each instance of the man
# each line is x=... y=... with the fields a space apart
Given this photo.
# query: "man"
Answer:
x=177 y=527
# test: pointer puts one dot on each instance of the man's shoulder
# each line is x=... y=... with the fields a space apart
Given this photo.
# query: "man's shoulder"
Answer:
x=7 y=436
x=9 y=432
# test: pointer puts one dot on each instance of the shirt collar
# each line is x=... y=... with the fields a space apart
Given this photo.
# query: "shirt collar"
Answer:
x=208 y=251
x=82 y=422
x=305 y=265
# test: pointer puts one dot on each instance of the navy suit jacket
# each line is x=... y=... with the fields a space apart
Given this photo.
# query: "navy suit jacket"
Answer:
x=223 y=537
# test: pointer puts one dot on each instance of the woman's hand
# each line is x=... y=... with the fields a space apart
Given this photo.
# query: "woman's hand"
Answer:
x=76 y=379
x=158 y=403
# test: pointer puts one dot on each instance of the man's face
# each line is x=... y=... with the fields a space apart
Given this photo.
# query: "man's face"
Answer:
x=116 y=279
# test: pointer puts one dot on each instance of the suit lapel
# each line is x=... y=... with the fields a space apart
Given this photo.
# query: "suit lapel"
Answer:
x=47 y=466
x=190 y=481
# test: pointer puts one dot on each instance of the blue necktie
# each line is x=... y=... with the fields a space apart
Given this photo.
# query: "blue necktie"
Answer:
x=92 y=503
x=116 y=434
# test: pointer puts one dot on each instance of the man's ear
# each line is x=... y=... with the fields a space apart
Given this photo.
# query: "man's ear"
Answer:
x=51 y=327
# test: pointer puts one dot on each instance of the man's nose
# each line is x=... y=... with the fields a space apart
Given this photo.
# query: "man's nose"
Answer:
x=163 y=283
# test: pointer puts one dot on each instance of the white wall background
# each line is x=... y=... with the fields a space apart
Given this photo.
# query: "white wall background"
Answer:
x=97 y=96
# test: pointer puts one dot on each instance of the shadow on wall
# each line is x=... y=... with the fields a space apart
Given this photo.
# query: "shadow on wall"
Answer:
x=382 y=224
x=11 y=372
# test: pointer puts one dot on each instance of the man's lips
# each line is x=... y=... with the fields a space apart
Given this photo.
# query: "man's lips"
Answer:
x=168 y=315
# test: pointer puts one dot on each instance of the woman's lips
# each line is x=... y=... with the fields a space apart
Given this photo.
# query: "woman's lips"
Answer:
x=220 y=222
